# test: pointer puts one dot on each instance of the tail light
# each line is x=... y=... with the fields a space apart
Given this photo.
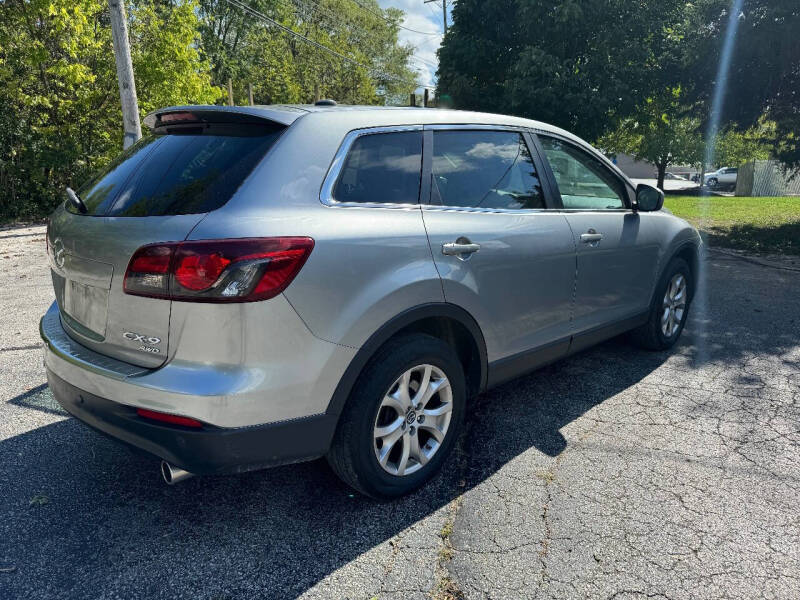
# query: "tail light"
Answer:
x=238 y=270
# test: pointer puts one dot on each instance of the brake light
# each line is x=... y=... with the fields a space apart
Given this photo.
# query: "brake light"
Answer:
x=199 y=271
x=178 y=117
x=236 y=270
x=168 y=418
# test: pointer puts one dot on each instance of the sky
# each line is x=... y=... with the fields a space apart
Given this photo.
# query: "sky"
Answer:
x=426 y=18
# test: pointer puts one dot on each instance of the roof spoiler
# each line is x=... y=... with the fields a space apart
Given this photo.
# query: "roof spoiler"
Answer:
x=221 y=114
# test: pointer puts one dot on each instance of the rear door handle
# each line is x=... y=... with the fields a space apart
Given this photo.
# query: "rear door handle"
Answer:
x=591 y=237
x=460 y=248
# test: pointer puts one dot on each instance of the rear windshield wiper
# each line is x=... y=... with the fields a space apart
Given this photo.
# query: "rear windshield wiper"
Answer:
x=76 y=201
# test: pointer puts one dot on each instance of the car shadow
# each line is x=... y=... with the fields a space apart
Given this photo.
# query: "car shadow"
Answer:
x=82 y=517
x=81 y=513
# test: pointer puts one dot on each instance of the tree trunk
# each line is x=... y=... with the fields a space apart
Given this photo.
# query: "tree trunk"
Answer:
x=662 y=169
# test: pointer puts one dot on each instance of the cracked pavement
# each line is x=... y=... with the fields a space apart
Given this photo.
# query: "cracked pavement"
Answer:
x=616 y=473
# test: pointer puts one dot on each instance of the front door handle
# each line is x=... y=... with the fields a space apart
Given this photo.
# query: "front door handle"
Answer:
x=591 y=237
x=462 y=248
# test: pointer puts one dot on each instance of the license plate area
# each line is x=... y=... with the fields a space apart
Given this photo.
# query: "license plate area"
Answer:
x=86 y=305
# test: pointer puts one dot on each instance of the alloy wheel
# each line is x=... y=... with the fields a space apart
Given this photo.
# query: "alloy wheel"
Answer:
x=674 y=305
x=413 y=420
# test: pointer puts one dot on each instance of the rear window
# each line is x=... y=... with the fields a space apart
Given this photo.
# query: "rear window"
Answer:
x=177 y=171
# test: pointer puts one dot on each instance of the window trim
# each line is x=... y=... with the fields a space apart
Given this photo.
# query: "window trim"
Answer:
x=334 y=171
x=629 y=191
x=527 y=138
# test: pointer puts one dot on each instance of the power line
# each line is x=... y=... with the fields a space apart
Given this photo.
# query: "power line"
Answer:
x=430 y=63
x=382 y=16
x=250 y=10
x=444 y=13
x=315 y=5
x=307 y=5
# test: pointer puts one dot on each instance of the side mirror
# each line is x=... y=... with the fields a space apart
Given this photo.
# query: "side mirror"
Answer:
x=649 y=198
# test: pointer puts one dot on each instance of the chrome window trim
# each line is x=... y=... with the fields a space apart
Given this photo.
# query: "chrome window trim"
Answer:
x=595 y=210
x=478 y=209
x=479 y=126
x=326 y=192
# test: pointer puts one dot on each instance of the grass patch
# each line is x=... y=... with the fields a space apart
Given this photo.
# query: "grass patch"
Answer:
x=770 y=225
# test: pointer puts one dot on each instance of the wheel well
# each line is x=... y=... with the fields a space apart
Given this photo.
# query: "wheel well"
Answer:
x=457 y=336
x=448 y=322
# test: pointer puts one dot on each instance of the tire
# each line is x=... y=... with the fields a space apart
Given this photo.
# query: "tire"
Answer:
x=373 y=407
x=712 y=183
x=655 y=334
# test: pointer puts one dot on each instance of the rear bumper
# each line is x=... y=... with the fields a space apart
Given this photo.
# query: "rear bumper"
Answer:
x=255 y=414
x=201 y=451
x=238 y=377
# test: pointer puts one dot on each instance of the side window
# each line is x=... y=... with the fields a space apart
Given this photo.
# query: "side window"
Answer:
x=382 y=168
x=584 y=182
x=485 y=169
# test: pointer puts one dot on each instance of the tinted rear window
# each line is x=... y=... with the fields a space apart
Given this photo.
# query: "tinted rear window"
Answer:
x=382 y=168
x=191 y=170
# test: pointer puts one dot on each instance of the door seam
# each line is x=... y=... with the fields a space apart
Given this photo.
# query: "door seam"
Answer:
x=430 y=249
x=575 y=279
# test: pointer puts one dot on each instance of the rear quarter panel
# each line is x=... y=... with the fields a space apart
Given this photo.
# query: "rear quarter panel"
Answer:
x=368 y=264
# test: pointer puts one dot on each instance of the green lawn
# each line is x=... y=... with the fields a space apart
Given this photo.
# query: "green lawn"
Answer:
x=769 y=225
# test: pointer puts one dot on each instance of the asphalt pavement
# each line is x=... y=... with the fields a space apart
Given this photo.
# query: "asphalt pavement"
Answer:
x=616 y=473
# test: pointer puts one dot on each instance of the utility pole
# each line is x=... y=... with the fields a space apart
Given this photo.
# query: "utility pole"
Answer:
x=444 y=11
x=127 y=86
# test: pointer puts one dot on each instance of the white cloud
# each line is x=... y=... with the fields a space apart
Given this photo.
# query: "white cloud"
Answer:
x=425 y=18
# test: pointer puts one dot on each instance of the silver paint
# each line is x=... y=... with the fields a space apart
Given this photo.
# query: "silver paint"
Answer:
x=244 y=364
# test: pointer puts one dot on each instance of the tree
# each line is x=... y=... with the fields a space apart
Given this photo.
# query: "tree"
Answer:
x=166 y=61
x=734 y=147
x=59 y=105
x=579 y=65
x=283 y=68
x=661 y=131
x=60 y=117
x=764 y=78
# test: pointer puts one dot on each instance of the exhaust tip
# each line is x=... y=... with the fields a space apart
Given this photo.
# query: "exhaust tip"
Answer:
x=173 y=474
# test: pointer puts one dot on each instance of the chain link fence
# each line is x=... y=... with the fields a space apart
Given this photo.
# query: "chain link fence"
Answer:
x=767 y=178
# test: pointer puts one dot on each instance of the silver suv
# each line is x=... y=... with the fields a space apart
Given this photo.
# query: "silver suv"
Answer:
x=248 y=287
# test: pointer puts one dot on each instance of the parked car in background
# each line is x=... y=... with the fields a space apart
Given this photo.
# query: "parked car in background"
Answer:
x=253 y=286
x=721 y=178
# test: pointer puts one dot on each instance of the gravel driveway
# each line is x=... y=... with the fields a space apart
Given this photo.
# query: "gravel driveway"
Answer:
x=614 y=474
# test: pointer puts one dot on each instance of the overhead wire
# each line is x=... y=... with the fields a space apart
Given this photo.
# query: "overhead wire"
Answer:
x=382 y=16
x=258 y=14
x=352 y=26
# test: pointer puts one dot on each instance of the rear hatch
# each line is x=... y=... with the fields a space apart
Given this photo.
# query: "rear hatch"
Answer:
x=156 y=191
